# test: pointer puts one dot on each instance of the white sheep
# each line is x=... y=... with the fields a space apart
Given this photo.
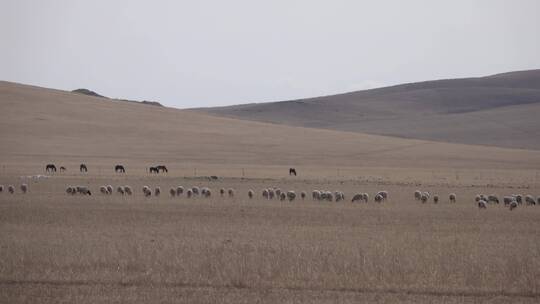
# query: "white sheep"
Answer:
x=120 y=190
x=195 y=190
x=357 y=197
x=329 y=196
x=435 y=199
x=529 y=200
x=230 y=192
x=24 y=188
x=519 y=198
x=189 y=193
x=83 y=190
x=482 y=204
x=110 y=189
x=103 y=190
x=206 y=192
x=179 y=190
x=513 y=205
x=417 y=195
x=452 y=197
x=70 y=190
x=378 y=198
x=508 y=199
x=339 y=196
x=365 y=197
x=172 y=192
x=424 y=197
x=146 y=191
x=316 y=195
x=250 y=193
x=278 y=192
x=282 y=196
x=11 y=189
x=271 y=193
x=265 y=193
x=477 y=198
x=384 y=194
x=291 y=195
x=128 y=190
x=303 y=195
x=157 y=191
x=221 y=191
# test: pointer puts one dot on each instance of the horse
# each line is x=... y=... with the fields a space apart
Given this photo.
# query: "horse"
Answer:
x=83 y=168
x=153 y=170
x=50 y=168
x=292 y=171
x=62 y=169
x=119 y=169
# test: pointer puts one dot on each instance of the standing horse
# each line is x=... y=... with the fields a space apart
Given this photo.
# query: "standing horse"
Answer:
x=153 y=170
x=50 y=168
x=119 y=169
x=292 y=171
x=83 y=168
x=162 y=168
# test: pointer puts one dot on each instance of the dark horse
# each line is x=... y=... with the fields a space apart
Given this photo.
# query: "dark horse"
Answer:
x=50 y=168
x=119 y=168
x=83 y=168
x=153 y=170
x=292 y=171
x=162 y=168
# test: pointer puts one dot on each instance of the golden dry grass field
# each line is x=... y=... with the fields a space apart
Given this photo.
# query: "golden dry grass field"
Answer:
x=58 y=248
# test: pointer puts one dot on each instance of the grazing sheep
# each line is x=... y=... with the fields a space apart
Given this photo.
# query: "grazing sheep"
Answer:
x=357 y=197
x=120 y=190
x=328 y=196
x=110 y=189
x=206 y=192
x=271 y=193
x=128 y=190
x=529 y=200
x=492 y=198
x=417 y=195
x=384 y=194
x=303 y=195
x=157 y=191
x=282 y=196
x=482 y=204
x=513 y=205
x=179 y=190
x=316 y=195
x=508 y=199
x=1 y=188
x=427 y=194
x=189 y=193
x=435 y=199
x=291 y=195
x=172 y=192
x=424 y=197
x=103 y=190
x=221 y=191
x=278 y=192
x=340 y=196
x=83 y=190
x=195 y=190
x=265 y=193
x=250 y=193
x=11 y=189
x=70 y=190
x=379 y=198
x=477 y=198
x=230 y=192
x=24 y=188
x=146 y=191
x=519 y=199
x=452 y=197
x=365 y=197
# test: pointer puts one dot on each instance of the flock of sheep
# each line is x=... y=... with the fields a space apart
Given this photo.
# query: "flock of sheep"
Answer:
x=482 y=200
x=511 y=201
x=11 y=188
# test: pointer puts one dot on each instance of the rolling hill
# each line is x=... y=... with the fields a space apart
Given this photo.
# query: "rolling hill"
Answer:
x=39 y=125
x=499 y=110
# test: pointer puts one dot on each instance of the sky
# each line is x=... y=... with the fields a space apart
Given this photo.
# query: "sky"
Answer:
x=208 y=53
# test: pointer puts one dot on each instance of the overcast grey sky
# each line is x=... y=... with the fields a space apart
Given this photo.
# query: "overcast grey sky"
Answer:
x=205 y=53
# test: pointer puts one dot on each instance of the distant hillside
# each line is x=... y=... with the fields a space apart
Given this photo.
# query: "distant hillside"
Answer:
x=92 y=93
x=500 y=110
